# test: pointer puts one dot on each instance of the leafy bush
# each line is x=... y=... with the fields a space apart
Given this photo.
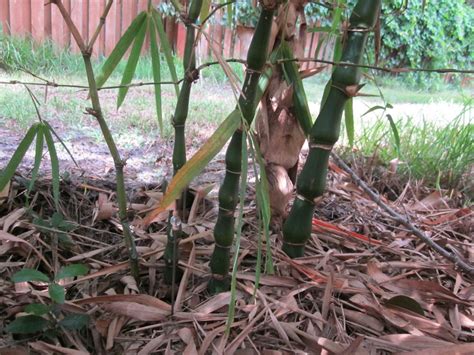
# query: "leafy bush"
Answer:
x=418 y=34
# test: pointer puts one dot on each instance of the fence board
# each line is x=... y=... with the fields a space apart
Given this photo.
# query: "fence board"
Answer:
x=20 y=17
x=59 y=32
x=37 y=20
x=96 y=9
x=5 y=15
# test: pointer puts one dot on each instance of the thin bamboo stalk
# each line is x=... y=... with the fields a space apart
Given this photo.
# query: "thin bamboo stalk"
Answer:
x=228 y=193
x=179 y=119
x=96 y=111
x=325 y=131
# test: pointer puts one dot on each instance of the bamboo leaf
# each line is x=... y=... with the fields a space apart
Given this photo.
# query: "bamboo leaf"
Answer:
x=374 y=108
x=7 y=173
x=156 y=66
x=325 y=29
x=132 y=62
x=197 y=163
x=54 y=165
x=396 y=136
x=38 y=156
x=293 y=77
x=263 y=201
x=26 y=275
x=349 y=120
x=119 y=51
x=204 y=10
x=166 y=48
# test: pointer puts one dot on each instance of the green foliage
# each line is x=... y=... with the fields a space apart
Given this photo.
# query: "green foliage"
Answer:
x=48 y=317
x=437 y=36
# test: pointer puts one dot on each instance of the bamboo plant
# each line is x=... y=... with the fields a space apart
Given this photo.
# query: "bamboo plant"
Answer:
x=325 y=131
x=96 y=111
x=228 y=192
x=179 y=121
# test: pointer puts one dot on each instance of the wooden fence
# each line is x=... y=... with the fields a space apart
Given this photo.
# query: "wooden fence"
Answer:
x=40 y=20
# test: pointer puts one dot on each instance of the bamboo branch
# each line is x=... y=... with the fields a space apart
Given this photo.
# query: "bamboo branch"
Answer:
x=99 y=26
x=70 y=24
x=466 y=267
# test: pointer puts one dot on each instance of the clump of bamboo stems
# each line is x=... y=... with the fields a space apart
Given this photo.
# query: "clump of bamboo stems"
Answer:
x=96 y=111
x=325 y=132
x=180 y=116
x=228 y=192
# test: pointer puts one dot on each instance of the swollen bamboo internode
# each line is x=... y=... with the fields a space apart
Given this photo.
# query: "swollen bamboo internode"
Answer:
x=325 y=132
x=228 y=193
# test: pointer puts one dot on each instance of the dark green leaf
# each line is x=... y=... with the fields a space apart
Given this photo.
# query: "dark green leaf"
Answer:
x=72 y=270
x=54 y=166
x=349 y=120
x=75 y=321
x=7 y=173
x=155 y=63
x=121 y=47
x=57 y=293
x=129 y=71
x=407 y=303
x=38 y=309
x=25 y=275
x=165 y=46
x=27 y=325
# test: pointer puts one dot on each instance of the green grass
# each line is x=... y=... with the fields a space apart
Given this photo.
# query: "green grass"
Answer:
x=440 y=155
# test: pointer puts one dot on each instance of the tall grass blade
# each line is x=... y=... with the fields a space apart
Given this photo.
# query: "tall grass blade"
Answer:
x=166 y=48
x=38 y=155
x=263 y=202
x=240 y=222
x=132 y=62
x=119 y=51
x=17 y=157
x=156 y=66
x=54 y=165
x=396 y=136
x=349 y=120
x=197 y=163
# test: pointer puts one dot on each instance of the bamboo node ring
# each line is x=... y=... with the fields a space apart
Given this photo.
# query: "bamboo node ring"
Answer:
x=302 y=198
x=327 y=147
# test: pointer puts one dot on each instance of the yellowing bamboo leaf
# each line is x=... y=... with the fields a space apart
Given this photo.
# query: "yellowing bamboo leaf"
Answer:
x=197 y=163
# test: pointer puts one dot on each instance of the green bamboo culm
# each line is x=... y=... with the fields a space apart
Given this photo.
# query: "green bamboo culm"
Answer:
x=182 y=106
x=311 y=183
x=228 y=192
x=180 y=116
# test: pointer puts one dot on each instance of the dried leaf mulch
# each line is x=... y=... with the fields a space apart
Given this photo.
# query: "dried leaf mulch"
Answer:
x=365 y=286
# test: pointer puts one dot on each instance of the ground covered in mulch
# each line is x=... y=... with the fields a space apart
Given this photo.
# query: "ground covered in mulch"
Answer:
x=365 y=286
